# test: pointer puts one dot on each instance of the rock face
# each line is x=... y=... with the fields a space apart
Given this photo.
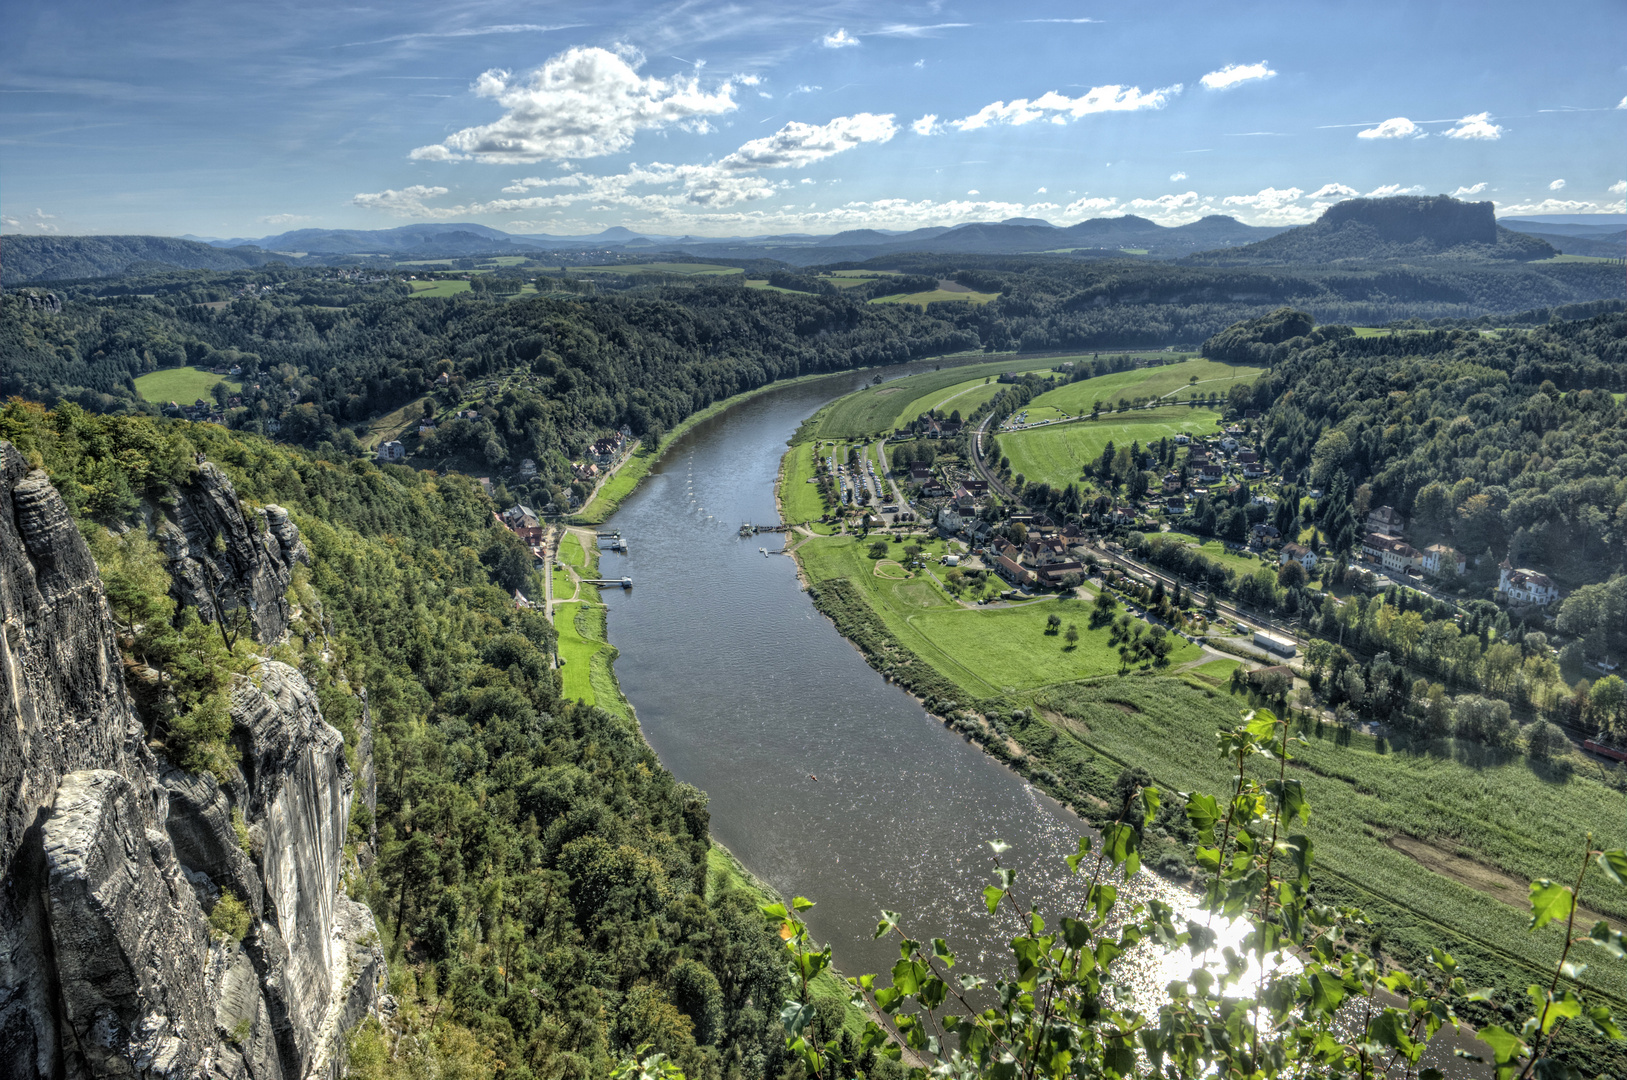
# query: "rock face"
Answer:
x=112 y=860
x=228 y=565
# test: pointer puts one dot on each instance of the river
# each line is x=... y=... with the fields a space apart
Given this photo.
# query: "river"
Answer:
x=826 y=781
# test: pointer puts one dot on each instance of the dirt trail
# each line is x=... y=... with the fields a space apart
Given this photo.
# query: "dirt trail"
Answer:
x=1481 y=878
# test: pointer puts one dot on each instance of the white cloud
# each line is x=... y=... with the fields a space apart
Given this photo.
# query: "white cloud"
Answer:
x=408 y=202
x=908 y=30
x=1165 y=204
x=1397 y=127
x=1557 y=185
x=1084 y=206
x=1328 y=191
x=765 y=94
x=840 y=39
x=38 y=221
x=1622 y=104
x=283 y=219
x=1059 y=108
x=1176 y=177
x=798 y=144
x=1478 y=126
x=1040 y=191
x=920 y=64
x=1387 y=190
x=1563 y=206
x=585 y=102
x=1619 y=188
x=802 y=88
x=926 y=125
x=1236 y=75
x=806 y=180
x=1474 y=189
x=747 y=80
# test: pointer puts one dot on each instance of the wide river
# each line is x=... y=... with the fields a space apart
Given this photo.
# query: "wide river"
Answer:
x=826 y=781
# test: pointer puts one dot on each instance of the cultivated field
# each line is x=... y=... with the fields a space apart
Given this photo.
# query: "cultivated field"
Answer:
x=1171 y=380
x=702 y=269
x=182 y=385
x=884 y=407
x=1058 y=454
x=449 y=287
x=922 y=299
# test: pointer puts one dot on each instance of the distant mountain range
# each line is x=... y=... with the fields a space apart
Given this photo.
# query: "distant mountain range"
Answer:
x=1400 y=227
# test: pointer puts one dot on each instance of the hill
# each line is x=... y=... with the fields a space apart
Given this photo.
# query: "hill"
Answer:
x=63 y=258
x=1399 y=227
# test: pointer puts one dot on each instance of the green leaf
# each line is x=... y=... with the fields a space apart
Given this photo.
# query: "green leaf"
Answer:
x=795 y=1016
x=1327 y=992
x=1549 y=901
x=1261 y=724
x=1075 y=859
x=992 y=897
x=1203 y=812
x=802 y=903
x=774 y=912
x=999 y=847
x=1614 y=864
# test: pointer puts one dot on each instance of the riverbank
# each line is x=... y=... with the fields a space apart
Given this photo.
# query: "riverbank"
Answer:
x=1018 y=692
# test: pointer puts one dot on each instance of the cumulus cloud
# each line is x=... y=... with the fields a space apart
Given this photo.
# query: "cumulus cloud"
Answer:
x=1473 y=189
x=1478 y=126
x=926 y=125
x=1085 y=205
x=1059 y=108
x=1165 y=204
x=585 y=102
x=1619 y=187
x=408 y=202
x=1622 y=104
x=1557 y=185
x=798 y=144
x=1563 y=206
x=974 y=191
x=1236 y=75
x=1396 y=127
x=1039 y=191
x=1331 y=191
x=1176 y=177
x=1387 y=190
x=840 y=39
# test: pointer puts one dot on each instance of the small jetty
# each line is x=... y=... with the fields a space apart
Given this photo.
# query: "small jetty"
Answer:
x=748 y=529
x=626 y=582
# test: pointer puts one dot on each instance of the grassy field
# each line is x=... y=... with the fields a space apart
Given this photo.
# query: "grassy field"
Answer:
x=702 y=269
x=1507 y=814
x=1056 y=455
x=182 y=385
x=449 y=287
x=1216 y=551
x=394 y=424
x=577 y=647
x=571 y=553
x=988 y=651
x=884 y=407
x=799 y=500
x=1173 y=380
x=932 y=296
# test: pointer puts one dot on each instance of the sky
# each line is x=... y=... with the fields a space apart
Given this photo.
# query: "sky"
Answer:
x=722 y=118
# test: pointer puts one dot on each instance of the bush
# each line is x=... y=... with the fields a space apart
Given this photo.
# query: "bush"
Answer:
x=1544 y=740
x=230 y=919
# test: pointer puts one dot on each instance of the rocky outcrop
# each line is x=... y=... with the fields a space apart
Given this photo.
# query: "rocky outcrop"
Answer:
x=113 y=860
x=230 y=565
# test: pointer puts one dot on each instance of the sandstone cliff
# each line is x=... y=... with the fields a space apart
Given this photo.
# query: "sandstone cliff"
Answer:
x=112 y=860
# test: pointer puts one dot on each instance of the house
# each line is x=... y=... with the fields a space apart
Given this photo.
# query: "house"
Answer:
x=520 y=602
x=948 y=521
x=963 y=500
x=1262 y=500
x=584 y=470
x=1253 y=471
x=1211 y=472
x=1301 y=554
x=426 y=426
x=1013 y=571
x=934 y=490
x=976 y=486
x=1228 y=444
x=1526 y=586
x=1246 y=456
x=920 y=473
x=392 y=451
x=1437 y=557
x=528 y=468
x=1393 y=552
x=1385 y=519
x=1055 y=572
x=1265 y=534
x=1182 y=439
x=444 y=379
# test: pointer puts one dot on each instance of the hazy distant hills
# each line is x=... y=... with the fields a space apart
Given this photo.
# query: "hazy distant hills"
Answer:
x=1359 y=230
x=1399 y=227
x=60 y=258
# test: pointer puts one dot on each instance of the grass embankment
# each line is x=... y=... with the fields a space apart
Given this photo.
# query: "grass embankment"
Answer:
x=799 y=497
x=725 y=874
x=182 y=385
x=629 y=476
x=589 y=673
x=1058 y=455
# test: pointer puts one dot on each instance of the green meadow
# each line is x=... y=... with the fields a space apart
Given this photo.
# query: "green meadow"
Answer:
x=448 y=287
x=182 y=385
x=692 y=269
x=1058 y=454
x=883 y=408
x=922 y=299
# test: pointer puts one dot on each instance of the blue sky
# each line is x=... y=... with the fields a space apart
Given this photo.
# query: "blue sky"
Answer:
x=722 y=118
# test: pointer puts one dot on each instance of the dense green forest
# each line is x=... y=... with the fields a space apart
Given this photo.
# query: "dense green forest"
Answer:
x=541 y=880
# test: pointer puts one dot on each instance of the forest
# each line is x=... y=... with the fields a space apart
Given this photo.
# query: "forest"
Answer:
x=543 y=885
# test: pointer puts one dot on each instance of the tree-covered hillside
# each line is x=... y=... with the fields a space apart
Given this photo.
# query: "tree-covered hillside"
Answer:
x=56 y=258
x=541 y=881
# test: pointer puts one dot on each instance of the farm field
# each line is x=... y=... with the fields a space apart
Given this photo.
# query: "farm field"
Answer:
x=922 y=299
x=1369 y=797
x=450 y=287
x=1171 y=379
x=183 y=385
x=987 y=651
x=1057 y=455
x=879 y=408
x=702 y=269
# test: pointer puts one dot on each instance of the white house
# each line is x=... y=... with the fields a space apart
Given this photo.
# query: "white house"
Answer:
x=1437 y=557
x=1301 y=554
x=392 y=451
x=1526 y=586
x=949 y=521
